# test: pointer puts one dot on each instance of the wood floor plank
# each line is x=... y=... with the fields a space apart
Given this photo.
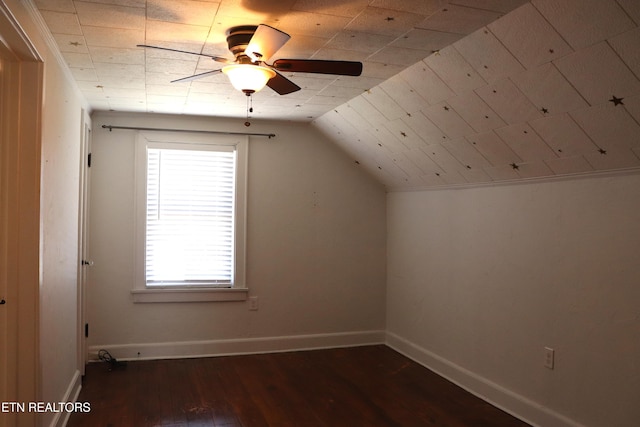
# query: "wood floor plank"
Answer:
x=351 y=387
x=238 y=396
x=273 y=391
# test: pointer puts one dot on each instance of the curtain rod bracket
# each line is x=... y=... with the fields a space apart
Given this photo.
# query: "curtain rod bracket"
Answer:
x=217 y=132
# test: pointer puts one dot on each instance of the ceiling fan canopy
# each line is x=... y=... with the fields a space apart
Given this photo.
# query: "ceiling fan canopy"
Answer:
x=252 y=46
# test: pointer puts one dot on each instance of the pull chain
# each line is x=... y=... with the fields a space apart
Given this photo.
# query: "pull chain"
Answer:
x=249 y=109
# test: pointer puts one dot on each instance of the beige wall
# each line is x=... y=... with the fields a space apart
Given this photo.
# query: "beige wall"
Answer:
x=480 y=280
x=315 y=249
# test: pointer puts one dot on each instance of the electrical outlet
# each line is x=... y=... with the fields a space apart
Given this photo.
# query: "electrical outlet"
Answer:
x=549 y=354
x=253 y=303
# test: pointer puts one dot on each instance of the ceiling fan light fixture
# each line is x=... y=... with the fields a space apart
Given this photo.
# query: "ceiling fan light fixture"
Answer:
x=248 y=78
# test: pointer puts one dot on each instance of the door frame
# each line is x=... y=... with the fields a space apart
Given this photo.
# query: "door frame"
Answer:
x=20 y=219
x=83 y=240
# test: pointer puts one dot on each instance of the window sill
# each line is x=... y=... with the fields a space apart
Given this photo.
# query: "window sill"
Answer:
x=189 y=295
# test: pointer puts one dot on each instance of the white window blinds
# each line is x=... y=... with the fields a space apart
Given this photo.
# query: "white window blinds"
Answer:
x=190 y=217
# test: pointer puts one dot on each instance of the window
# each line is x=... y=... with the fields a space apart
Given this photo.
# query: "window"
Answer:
x=190 y=208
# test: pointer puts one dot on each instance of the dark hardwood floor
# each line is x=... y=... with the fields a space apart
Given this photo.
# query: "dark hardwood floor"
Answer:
x=355 y=387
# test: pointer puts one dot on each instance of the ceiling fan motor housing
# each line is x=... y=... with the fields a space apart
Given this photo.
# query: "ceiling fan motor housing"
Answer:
x=237 y=39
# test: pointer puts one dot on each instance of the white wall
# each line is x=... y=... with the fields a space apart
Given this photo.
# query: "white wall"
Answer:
x=315 y=249
x=480 y=280
x=61 y=133
x=59 y=326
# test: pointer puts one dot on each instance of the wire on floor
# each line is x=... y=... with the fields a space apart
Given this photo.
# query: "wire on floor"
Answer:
x=105 y=356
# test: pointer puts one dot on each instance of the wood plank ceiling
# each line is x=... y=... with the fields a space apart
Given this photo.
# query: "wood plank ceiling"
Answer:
x=453 y=92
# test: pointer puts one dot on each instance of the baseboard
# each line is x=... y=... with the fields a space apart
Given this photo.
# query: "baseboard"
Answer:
x=190 y=349
x=510 y=402
x=71 y=395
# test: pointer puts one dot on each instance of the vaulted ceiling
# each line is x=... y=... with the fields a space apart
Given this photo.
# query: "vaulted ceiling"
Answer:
x=452 y=93
x=551 y=89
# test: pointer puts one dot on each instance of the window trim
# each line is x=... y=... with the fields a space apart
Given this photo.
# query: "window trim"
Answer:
x=141 y=293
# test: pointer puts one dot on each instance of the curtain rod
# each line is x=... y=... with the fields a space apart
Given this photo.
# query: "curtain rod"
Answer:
x=268 y=135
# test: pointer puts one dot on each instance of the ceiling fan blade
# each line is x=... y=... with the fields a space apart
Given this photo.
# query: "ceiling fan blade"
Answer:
x=282 y=85
x=196 y=76
x=342 y=68
x=265 y=42
x=215 y=58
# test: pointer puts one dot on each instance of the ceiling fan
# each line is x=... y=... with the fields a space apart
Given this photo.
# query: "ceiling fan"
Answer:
x=252 y=46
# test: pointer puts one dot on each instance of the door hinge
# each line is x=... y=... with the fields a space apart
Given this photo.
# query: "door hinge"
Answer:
x=89 y=160
x=86 y=330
